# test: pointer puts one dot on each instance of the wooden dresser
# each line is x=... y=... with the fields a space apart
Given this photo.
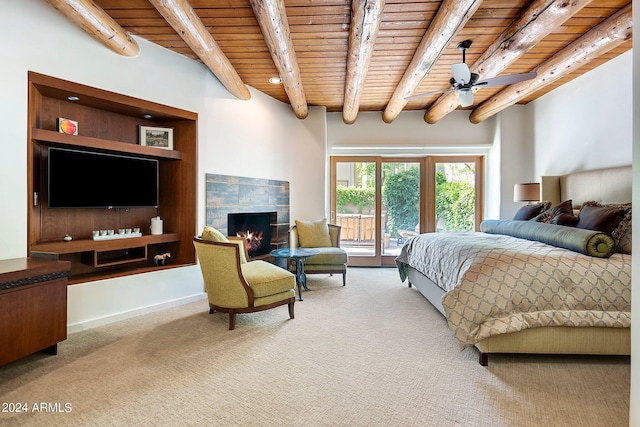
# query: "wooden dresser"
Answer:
x=33 y=306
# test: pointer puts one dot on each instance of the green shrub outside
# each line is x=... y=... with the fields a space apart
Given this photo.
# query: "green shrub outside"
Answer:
x=454 y=205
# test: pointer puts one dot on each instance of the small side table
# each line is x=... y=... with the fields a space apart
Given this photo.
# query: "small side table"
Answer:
x=298 y=255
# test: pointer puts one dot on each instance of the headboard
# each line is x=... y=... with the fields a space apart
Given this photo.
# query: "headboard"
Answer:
x=611 y=185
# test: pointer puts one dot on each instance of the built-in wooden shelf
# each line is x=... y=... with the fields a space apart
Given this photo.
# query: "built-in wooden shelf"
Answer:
x=75 y=246
x=49 y=137
x=109 y=122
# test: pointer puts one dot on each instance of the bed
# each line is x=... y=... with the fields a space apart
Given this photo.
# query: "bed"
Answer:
x=535 y=287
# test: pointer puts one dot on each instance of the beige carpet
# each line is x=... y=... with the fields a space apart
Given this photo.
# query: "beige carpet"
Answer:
x=373 y=353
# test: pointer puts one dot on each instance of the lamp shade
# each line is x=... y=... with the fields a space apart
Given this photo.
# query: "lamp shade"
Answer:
x=529 y=192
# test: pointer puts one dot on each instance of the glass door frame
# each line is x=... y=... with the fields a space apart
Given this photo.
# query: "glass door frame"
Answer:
x=430 y=199
x=378 y=259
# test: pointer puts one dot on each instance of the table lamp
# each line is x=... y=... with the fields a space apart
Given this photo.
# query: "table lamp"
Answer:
x=529 y=192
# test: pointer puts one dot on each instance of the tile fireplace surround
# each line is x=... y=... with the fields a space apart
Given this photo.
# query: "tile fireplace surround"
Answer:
x=235 y=194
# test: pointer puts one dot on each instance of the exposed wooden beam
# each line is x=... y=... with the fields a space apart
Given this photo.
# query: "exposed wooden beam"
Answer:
x=451 y=18
x=184 y=20
x=365 y=23
x=610 y=33
x=541 y=18
x=272 y=17
x=95 y=21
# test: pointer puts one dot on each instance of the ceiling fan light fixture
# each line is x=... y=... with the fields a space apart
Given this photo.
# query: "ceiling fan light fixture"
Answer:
x=465 y=97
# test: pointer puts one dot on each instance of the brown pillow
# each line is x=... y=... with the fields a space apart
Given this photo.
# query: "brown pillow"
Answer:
x=611 y=219
x=550 y=214
x=569 y=220
x=527 y=212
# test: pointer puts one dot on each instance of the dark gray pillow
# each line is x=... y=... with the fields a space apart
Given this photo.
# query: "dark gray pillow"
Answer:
x=610 y=219
x=527 y=212
x=548 y=216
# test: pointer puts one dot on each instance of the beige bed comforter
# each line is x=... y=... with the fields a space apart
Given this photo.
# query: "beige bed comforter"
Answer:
x=498 y=284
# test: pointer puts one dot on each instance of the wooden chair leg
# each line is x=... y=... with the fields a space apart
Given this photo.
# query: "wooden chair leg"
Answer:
x=232 y=320
x=211 y=310
x=291 y=302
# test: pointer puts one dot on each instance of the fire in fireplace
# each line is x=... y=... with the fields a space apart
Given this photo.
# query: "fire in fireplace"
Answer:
x=255 y=227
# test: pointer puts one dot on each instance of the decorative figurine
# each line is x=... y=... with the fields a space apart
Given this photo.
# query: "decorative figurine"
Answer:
x=161 y=259
x=67 y=238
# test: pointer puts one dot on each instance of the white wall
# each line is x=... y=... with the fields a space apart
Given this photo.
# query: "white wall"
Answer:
x=257 y=138
x=409 y=134
x=516 y=157
x=586 y=123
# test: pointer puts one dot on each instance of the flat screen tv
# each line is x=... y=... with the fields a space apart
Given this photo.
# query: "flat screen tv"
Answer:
x=85 y=179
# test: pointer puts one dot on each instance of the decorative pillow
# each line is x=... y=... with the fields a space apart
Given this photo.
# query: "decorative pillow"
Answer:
x=550 y=214
x=527 y=212
x=624 y=244
x=612 y=219
x=213 y=235
x=313 y=234
x=210 y=233
x=569 y=220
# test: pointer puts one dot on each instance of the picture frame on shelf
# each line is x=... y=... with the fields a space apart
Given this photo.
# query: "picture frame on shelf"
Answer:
x=159 y=137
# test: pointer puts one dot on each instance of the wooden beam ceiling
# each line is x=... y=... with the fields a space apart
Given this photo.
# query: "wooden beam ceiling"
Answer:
x=601 y=39
x=98 y=24
x=539 y=20
x=272 y=17
x=363 y=31
x=449 y=20
x=183 y=19
x=319 y=33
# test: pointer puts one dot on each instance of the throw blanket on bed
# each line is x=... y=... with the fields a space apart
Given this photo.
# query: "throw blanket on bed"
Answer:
x=498 y=284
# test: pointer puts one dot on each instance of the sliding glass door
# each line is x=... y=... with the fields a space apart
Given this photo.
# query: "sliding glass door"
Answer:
x=380 y=202
x=455 y=201
x=376 y=201
x=354 y=203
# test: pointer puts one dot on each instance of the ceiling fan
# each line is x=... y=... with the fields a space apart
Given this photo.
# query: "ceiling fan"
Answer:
x=463 y=80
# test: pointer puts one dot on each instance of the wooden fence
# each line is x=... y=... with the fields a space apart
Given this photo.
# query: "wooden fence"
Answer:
x=356 y=228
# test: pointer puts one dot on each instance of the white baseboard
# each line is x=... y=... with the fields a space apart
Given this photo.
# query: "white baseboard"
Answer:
x=82 y=326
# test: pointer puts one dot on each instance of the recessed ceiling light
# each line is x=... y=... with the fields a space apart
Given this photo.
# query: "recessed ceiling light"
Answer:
x=73 y=98
x=275 y=80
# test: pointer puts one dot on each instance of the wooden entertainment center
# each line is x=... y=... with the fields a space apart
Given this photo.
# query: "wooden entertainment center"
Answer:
x=109 y=123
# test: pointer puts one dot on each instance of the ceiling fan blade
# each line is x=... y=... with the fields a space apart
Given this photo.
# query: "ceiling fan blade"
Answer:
x=420 y=95
x=461 y=73
x=507 y=80
x=465 y=97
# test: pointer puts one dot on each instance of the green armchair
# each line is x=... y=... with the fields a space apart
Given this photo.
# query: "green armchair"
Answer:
x=235 y=285
x=325 y=238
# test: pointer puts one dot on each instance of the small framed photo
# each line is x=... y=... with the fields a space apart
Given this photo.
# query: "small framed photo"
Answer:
x=70 y=127
x=156 y=137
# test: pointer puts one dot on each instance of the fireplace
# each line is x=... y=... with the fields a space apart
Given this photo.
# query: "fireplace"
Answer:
x=255 y=227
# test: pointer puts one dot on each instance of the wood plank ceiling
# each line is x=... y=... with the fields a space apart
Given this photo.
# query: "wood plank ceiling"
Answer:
x=309 y=40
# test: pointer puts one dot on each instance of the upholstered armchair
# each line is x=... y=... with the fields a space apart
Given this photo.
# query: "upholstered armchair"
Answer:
x=236 y=285
x=325 y=238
